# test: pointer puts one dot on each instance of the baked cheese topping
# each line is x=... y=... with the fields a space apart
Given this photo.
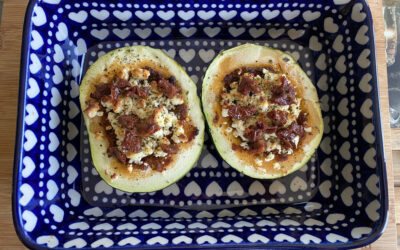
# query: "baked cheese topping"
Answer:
x=264 y=113
x=144 y=115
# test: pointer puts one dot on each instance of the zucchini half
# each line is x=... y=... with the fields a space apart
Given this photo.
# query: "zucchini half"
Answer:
x=250 y=55
x=139 y=180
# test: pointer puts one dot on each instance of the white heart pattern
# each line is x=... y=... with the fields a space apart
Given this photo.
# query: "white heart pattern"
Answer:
x=57 y=212
x=31 y=140
x=212 y=32
x=330 y=26
x=79 y=17
x=33 y=90
x=165 y=15
x=58 y=55
x=37 y=40
x=52 y=190
x=277 y=187
x=206 y=55
x=206 y=15
x=248 y=16
x=372 y=210
x=227 y=15
x=213 y=189
x=27 y=194
x=187 y=32
x=122 y=33
x=36 y=65
x=235 y=189
x=39 y=16
x=144 y=15
x=275 y=33
x=294 y=34
x=357 y=14
x=310 y=16
x=54 y=165
x=338 y=44
x=100 y=34
x=290 y=14
x=100 y=14
x=187 y=55
x=256 y=188
x=255 y=32
x=235 y=32
x=49 y=240
x=361 y=38
x=366 y=110
x=62 y=32
x=186 y=15
x=192 y=189
x=32 y=115
x=269 y=15
x=122 y=15
x=162 y=32
x=347 y=196
x=29 y=167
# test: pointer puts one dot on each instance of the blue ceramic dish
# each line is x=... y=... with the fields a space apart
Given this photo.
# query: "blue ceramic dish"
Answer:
x=338 y=200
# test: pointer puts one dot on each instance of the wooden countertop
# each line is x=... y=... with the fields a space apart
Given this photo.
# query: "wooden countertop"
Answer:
x=10 y=44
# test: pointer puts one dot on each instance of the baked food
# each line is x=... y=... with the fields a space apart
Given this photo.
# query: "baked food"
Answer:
x=143 y=117
x=262 y=110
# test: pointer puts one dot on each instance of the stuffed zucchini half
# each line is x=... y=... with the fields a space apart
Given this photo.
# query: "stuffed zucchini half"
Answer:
x=262 y=110
x=143 y=116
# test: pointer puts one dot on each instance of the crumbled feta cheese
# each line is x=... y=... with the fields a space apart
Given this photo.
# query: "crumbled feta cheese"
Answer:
x=140 y=74
x=124 y=74
x=93 y=110
x=119 y=105
x=265 y=106
x=244 y=145
x=130 y=168
x=119 y=131
x=282 y=107
x=147 y=170
x=177 y=100
x=272 y=77
x=269 y=157
x=159 y=153
x=228 y=129
x=240 y=128
x=258 y=161
x=296 y=140
x=307 y=129
x=277 y=166
x=107 y=103
x=136 y=157
x=295 y=108
x=224 y=113
x=273 y=145
x=178 y=132
x=269 y=136
x=233 y=85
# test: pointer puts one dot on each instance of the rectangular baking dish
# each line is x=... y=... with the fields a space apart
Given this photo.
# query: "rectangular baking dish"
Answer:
x=338 y=200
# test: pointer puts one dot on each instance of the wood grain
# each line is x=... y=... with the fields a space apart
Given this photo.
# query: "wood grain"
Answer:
x=10 y=43
x=389 y=239
x=395 y=139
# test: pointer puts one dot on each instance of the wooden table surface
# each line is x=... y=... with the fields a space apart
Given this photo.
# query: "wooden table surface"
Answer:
x=10 y=44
